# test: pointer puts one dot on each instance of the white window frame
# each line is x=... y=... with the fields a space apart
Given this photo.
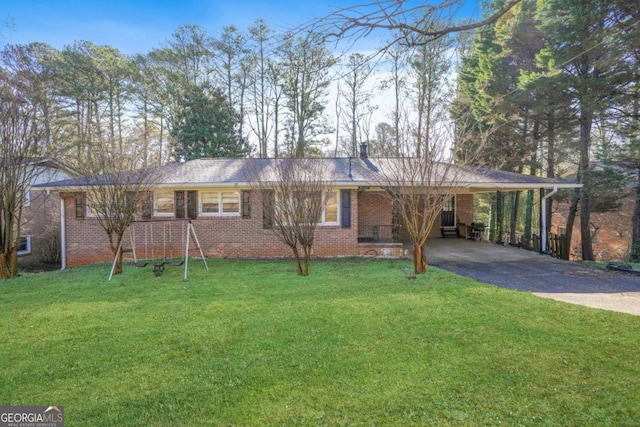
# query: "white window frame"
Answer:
x=89 y=210
x=220 y=211
x=156 y=197
x=324 y=209
x=26 y=251
x=323 y=219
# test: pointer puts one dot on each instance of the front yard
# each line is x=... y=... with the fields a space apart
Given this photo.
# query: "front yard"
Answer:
x=250 y=343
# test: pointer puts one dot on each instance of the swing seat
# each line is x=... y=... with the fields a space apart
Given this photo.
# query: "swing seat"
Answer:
x=140 y=264
x=176 y=263
x=158 y=268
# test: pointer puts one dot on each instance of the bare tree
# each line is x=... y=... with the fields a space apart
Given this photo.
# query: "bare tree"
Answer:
x=20 y=148
x=421 y=187
x=355 y=97
x=115 y=189
x=411 y=25
x=306 y=64
x=294 y=195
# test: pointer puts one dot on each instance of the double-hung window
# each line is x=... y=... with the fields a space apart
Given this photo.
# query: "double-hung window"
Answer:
x=219 y=203
x=299 y=205
x=24 y=247
x=163 y=203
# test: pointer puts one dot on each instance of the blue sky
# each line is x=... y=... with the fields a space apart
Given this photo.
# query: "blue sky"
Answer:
x=136 y=26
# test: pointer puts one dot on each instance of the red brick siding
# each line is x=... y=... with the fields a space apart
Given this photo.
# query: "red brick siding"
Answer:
x=41 y=221
x=232 y=236
x=613 y=237
x=374 y=208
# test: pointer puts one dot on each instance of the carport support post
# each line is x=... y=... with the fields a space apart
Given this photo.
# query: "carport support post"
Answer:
x=543 y=218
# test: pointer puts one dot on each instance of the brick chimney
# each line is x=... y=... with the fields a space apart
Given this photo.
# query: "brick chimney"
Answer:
x=363 y=151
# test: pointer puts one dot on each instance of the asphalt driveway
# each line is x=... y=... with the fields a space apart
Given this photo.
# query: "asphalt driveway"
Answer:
x=528 y=271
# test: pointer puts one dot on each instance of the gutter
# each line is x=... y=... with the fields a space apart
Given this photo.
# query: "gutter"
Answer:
x=543 y=228
x=63 y=236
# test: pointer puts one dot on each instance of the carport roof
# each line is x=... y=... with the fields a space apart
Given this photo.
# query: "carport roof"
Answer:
x=343 y=172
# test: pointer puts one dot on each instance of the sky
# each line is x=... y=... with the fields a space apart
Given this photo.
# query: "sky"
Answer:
x=137 y=26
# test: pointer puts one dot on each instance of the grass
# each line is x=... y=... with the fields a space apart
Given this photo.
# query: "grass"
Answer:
x=355 y=343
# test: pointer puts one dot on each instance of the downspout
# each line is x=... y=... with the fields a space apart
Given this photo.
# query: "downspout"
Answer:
x=543 y=220
x=63 y=236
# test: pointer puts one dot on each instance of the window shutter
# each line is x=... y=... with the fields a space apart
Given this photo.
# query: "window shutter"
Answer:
x=192 y=204
x=81 y=205
x=179 y=204
x=246 y=204
x=268 y=203
x=146 y=205
x=345 y=202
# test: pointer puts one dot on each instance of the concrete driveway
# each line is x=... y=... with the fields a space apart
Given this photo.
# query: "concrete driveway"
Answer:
x=542 y=275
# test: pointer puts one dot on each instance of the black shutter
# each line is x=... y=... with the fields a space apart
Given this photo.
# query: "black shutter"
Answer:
x=179 y=204
x=81 y=205
x=246 y=204
x=345 y=202
x=192 y=204
x=146 y=207
x=268 y=203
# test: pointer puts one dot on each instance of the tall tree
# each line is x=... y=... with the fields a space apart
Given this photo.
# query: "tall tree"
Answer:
x=355 y=97
x=306 y=65
x=21 y=147
x=261 y=98
x=207 y=126
x=579 y=45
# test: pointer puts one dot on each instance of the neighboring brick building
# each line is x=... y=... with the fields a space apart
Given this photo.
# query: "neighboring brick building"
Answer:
x=610 y=231
x=229 y=217
x=40 y=233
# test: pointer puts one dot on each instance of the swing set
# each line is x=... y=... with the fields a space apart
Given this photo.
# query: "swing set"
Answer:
x=151 y=228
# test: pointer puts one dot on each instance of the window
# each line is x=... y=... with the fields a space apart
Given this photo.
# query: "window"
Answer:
x=27 y=198
x=163 y=203
x=209 y=203
x=186 y=204
x=214 y=203
x=91 y=211
x=329 y=215
x=24 y=248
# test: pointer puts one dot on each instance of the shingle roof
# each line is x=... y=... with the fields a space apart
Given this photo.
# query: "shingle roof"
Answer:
x=341 y=171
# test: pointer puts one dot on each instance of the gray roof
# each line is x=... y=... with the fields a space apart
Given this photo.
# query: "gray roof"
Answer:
x=343 y=172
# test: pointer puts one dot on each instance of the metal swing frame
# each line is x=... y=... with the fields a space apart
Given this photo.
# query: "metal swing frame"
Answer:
x=190 y=231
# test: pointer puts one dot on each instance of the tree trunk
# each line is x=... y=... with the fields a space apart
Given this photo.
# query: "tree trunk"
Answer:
x=499 y=216
x=634 y=253
x=571 y=217
x=8 y=264
x=514 y=201
x=114 y=249
x=528 y=218
x=419 y=259
x=296 y=256
x=585 y=214
x=307 y=259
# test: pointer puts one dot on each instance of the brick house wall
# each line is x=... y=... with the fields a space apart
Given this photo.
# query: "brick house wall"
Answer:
x=233 y=236
x=223 y=236
x=611 y=231
x=41 y=226
x=374 y=208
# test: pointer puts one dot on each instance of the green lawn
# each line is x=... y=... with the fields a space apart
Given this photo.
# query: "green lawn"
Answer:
x=355 y=343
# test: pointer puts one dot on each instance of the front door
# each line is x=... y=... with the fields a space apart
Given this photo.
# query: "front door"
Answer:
x=448 y=215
